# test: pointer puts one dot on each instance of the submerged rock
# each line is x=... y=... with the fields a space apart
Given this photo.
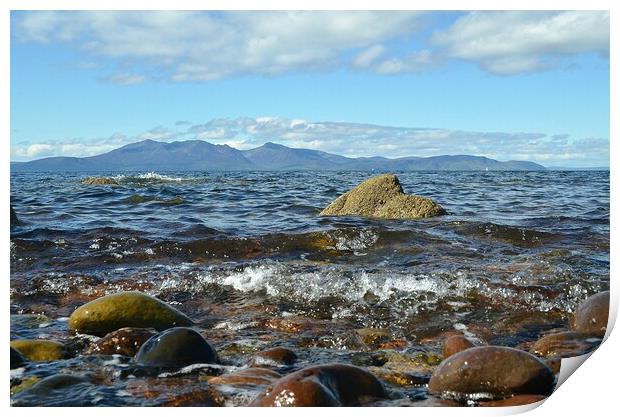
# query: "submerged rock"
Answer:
x=39 y=350
x=491 y=371
x=250 y=376
x=176 y=348
x=523 y=399
x=323 y=386
x=17 y=359
x=373 y=337
x=125 y=309
x=382 y=197
x=592 y=315
x=277 y=356
x=126 y=341
x=455 y=344
x=52 y=383
x=99 y=181
x=14 y=219
x=564 y=345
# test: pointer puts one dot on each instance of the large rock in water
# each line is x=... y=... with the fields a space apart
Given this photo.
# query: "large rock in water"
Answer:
x=322 y=386
x=39 y=350
x=382 y=197
x=14 y=218
x=125 y=309
x=495 y=371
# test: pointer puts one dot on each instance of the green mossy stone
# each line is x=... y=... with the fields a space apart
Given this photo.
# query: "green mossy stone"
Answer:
x=39 y=350
x=125 y=309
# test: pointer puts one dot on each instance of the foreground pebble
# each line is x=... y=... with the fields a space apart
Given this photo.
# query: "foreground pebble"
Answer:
x=493 y=371
x=176 y=348
x=39 y=350
x=592 y=315
x=323 y=386
x=126 y=341
x=125 y=309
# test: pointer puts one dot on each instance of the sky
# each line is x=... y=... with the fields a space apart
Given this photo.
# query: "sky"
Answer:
x=505 y=85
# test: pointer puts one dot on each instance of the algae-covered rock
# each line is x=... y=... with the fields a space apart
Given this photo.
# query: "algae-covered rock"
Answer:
x=382 y=197
x=99 y=181
x=176 y=348
x=39 y=350
x=494 y=371
x=125 y=309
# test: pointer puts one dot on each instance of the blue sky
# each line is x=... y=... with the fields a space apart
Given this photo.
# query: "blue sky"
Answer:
x=507 y=85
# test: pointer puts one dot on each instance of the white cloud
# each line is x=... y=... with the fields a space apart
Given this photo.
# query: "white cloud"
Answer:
x=511 y=42
x=351 y=139
x=202 y=46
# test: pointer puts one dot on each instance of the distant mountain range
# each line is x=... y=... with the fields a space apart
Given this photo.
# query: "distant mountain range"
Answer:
x=200 y=155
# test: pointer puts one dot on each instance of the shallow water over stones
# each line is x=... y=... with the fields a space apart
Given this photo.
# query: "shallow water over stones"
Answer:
x=246 y=257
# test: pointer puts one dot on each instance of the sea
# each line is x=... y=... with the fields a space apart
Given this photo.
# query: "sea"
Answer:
x=247 y=257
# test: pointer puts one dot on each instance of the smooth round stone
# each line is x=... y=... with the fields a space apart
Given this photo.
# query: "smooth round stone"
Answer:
x=176 y=348
x=592 y=315
x=277 y=356
x=323 y=386
x=126 y=341
x=455 y=344
x=56 y=382
x=564 y=344
x=495 y=371
x=125 y=309
x=39 y=350
x=17 y=359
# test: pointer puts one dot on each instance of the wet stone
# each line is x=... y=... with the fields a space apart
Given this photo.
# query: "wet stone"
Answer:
x=323 y=386
x=278 y=356
x=522 y=399
x=250 y=376
x=17 y=359
x=126 y=341
x=176 y=348
x=491 y=371
x=125 y=309
x=455 y=344
x=39 y=350
x=564 y=345
x=592 y=315
x=372 y=337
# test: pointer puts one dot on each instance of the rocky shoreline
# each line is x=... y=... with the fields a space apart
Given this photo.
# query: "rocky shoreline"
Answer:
x=466 y=373
x=120 y=343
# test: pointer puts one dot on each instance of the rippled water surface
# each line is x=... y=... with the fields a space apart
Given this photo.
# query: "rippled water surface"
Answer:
x=240 y=251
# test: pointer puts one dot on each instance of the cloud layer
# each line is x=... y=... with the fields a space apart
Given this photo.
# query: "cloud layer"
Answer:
x=206 y=46
x=350 y=139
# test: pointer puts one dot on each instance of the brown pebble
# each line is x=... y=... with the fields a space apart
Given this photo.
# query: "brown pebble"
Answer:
x=322 y=386
x=277 y=356
x=522 y=399
x=126 y=341
x=496 y=370
x=250 y=376
x=592 y=315
x=564 y=344
x=455 y=344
